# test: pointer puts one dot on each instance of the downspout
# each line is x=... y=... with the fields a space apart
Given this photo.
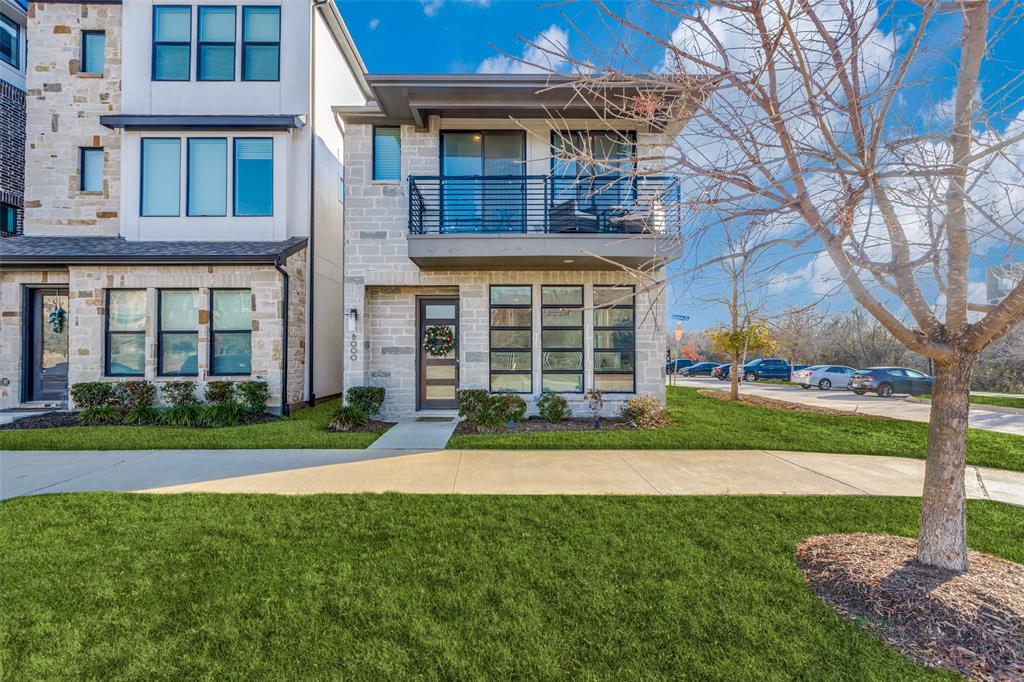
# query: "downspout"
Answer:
x=284 y=336
x=311 y=278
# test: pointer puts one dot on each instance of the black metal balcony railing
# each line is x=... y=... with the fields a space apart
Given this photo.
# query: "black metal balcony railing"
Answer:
x=540 y=203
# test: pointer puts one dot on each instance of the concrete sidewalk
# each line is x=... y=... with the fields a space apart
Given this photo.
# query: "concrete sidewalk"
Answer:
x=633 y=472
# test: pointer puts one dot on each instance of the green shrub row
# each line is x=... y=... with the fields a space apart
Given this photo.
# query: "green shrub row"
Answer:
x=132 y=402
x=486 y=410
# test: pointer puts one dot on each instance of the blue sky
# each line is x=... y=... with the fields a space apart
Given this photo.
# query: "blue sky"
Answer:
x=461 y=36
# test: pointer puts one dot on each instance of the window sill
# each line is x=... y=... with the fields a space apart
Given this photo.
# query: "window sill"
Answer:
x=89 y=193
x=385 y=182
x=88 y=74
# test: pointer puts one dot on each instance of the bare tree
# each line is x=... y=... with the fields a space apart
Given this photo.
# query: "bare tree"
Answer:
x=803 y=124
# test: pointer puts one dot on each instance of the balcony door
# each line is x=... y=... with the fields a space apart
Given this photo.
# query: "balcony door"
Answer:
x=483 y=181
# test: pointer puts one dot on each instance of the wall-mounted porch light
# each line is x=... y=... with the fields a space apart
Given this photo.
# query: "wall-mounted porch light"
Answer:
x=351 y=316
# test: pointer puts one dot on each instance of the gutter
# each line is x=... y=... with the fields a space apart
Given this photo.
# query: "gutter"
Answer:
x=284 y=335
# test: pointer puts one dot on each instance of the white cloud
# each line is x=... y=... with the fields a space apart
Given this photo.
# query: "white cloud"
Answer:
x=432 y=7
x=533 y=58
x=374 y=23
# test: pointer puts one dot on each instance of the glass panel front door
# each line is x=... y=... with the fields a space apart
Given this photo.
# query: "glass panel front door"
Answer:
x=438 y=374
x=49 y=345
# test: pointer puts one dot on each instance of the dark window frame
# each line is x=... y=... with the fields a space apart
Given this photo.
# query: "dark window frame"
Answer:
x=188 y=44
x=234 y=178
x=373 y=156
x=188 y=178
x=213 y=336
x=247 y=43
x=16 y=64
x=81 y=169
x=107 y=335
x=490 y=327
x=233 y=44
x=563 y=349
x=160 y=334
x=602 y=328
x=93 y=33
x=12 y=211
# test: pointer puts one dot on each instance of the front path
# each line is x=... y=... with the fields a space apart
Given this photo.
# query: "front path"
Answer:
x=530 y=472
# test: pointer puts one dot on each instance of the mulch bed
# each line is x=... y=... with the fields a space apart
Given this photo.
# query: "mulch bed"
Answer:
x=760 y=401
x=372 y=427
x=536 y=424
x=970 y=623
x=52 y=420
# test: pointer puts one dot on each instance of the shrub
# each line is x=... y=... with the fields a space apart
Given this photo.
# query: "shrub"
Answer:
x=595 y=403
x=179 y=393
x=133 y=395
x=367 y=398
x=219 y=391
x=224 y=413
x=100 y=414
x=645 y=412
x=192 y=415
x=255 y=395
x=471 y=402
x=93 y=394
x=348 y=417
x=506 y=408
x=143 y=414
x=553 y=408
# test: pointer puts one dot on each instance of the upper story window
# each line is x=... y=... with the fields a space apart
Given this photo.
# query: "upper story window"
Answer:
x=216 y=51
x=94 y=45
x=261 y=43
x=254 y=176
x=161 y=176
x=9 y=43
x=387 y=153
x=90 y=172
x=172 y=42
x=207 y=176
x=8 y=219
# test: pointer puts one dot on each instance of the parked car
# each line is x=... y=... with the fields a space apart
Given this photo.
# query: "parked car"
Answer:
x=677 y=366
x=700 y=369
x=766 y=368
x=888 y=380
x=721 y=372
x=823 y=376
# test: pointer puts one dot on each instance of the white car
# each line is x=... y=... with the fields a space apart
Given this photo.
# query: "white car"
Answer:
x=823 y=376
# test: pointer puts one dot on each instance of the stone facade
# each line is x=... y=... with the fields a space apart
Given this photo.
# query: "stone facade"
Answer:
x=87 y=285
x=63 y=109
x=382 y=284
x=12 y=149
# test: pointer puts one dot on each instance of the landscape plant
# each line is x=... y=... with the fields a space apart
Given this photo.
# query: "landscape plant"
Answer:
x=255 y=395
x=136 y=398
x=97 y=402
x=507 y=408
x=347 y=417
x=219 y=391
x=185 y=409
x=645 y=412
x=367 y=398
x=553 y=408
x=595 y=404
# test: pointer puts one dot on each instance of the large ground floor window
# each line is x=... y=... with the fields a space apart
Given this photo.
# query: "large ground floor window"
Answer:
x=511 y=336
x=614 y=339
x=562 y=339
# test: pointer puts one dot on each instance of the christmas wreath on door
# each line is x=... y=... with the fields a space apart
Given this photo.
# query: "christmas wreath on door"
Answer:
x=438 y=341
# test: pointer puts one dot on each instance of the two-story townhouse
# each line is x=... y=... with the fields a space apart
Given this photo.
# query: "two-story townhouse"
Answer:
x=13 y=53
x=515 y=215
x=184 y=198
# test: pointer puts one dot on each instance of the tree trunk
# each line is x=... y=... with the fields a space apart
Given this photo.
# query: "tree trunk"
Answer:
x=943 y=533
x=734 y=379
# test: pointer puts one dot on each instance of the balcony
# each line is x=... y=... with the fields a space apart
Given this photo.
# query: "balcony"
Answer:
x=516 y=221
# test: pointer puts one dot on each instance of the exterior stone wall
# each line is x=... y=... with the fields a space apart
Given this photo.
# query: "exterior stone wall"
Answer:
x=11 y=322
x=63 y=109
x=382 y=283
x=87 y=287
x=12 y=148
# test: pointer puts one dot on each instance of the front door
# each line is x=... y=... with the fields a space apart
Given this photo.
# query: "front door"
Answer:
x=48 y=345
x=438 y=375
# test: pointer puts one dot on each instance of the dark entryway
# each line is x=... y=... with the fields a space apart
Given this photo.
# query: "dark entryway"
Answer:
x=438 y=376
x=46 y=345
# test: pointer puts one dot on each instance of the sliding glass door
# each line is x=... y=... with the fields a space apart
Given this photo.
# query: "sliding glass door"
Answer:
x=483 y=185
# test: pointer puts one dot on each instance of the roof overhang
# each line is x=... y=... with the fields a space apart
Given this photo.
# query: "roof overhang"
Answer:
x=414 y=98
x=116 y=251
x=181 y=122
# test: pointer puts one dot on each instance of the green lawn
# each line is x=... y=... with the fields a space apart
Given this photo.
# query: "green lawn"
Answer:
x=997 y=400
x=304 y=429
x=119 y=586
x=701 y=423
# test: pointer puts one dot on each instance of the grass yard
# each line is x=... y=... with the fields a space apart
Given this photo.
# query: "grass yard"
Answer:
x=997 y=400
x=304 y=429
x=701 y=423
x=120 y=586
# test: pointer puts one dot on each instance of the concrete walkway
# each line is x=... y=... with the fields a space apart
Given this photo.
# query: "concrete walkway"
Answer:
x=633 y=472
x=432 y=433
x=840 y=399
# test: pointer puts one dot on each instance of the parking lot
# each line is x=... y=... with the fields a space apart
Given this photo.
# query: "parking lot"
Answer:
x=896 y=407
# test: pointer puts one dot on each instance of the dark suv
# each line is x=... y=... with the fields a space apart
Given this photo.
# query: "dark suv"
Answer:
x=766 y=368
x=888 y=380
